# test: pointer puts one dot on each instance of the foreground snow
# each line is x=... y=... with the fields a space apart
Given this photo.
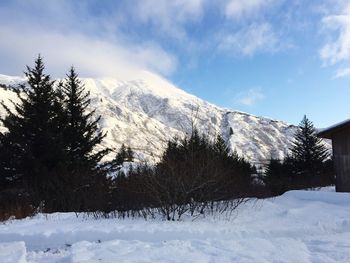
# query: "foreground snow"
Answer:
x=299 y=226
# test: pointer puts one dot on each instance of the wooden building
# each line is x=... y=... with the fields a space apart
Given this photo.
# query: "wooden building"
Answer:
x=340 y=136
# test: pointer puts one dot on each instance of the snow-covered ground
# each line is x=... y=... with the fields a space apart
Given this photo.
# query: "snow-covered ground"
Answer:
x=300 y=226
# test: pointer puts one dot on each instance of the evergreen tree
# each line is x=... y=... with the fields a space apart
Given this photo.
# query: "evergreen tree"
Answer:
x=278 y=176
x=81 y=131
x=33 y=134
x=308 y=152
x=4 y=162
x=220 y=146
x=84 y=173
x=307 y=166
x=129 y=154
x=125 y=154
x=121 y=156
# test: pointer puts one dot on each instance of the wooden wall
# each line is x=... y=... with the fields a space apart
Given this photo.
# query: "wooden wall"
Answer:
x=341 y=155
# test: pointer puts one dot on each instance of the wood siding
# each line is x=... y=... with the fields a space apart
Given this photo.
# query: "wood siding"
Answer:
x=341 y=155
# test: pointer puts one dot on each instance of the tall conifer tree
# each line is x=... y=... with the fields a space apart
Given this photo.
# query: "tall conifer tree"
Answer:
x=308 y=151
x=81 y=131
x=81 y=139
x=34 y=135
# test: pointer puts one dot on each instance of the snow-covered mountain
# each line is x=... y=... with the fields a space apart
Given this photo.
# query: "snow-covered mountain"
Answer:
x=146 y=112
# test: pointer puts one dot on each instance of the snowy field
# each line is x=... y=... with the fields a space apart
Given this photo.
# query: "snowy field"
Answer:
x=300 y=226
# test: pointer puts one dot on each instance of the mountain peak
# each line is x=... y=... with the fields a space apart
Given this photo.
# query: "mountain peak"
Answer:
x=147 y=111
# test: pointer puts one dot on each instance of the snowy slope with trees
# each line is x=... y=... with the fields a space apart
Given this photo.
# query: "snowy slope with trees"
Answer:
x=299 y=226
x=146 y=112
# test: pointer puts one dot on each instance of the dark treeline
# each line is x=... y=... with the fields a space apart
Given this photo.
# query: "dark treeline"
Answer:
x=50 y=162
x=194 y=175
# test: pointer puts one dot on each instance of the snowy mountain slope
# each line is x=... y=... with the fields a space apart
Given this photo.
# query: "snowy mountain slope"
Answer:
x=259 y=138
x=144 y=113
x=6 y=96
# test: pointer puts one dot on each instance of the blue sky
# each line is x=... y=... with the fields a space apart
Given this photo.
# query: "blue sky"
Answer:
x=275 y=58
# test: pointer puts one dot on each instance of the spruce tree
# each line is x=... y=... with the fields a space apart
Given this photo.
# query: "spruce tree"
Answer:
x=278 y=176
x=34 y=135
x=308 y=152
x=5 y=176
x=125 y=154
x=121 y=156
x=81 y=128
x=308 y=164
x=129 y=154
x=220 y=146
x=84 y=172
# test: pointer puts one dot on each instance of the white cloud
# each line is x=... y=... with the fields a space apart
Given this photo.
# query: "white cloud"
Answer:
x=250 y=40
x=250 y=97
x=238 y=9
x=66 y=34
x=170 y=17
x=344 y=72
x=92 y=57
x=337 y=49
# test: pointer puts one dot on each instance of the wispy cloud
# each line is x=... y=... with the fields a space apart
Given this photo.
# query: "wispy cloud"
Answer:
x=343 y=72
x=248 y=41
x=250 y=97
x=240 y=9
x=169 y=17
x=336 y=49
x=249 y=28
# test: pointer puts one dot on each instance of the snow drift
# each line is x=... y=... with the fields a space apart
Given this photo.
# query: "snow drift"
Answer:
x=299 y=226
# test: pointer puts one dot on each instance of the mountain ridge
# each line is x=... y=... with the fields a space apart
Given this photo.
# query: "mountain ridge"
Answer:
x=145 y=112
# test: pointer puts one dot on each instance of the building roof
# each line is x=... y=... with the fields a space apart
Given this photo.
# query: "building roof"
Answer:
x=328 y=132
